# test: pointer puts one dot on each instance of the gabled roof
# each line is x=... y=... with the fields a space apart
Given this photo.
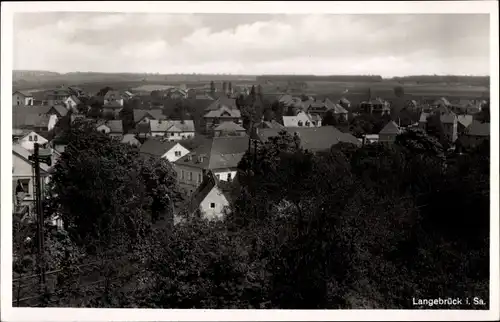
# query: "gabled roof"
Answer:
x=218 y=153
x=223 y=101
x=30 y=116
x=207 y=185
x=159 y=125
x=479 y=129
x=465 y=120
x=291 y=121
x=344 y=100
x=335 y=108
x=112 y=94
x=156 y=147
x=75 y=99
x=156 y=114
x=25 y=93
x=270 y=125
x=116 y=126
x=222 y=112
x=181 y=126
x=59 y=110
x=391 y=128
x=130 y=138
x=312 y=138
x=442 y=100
x=229 y=126
x=448 y=117
x=25 y=154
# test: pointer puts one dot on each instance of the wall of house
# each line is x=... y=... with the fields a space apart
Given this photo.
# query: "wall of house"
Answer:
x=212 y=207
x=189 y=178
x=21 y=169
x=386 y=138
x=115 y=101
x=52 y=122
x=175 y=153
x=225 y=175
x=70 y=103
x=229 y=133
x=28 y=142
x=177 y=136
x=20 y=99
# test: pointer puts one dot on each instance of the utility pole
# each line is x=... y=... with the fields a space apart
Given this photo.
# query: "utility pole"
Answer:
x=36 y=158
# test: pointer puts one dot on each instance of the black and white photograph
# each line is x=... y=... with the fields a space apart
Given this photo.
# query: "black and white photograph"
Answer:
x=250 y=157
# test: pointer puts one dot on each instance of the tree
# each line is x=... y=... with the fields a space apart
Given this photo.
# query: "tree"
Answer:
x=399 y=91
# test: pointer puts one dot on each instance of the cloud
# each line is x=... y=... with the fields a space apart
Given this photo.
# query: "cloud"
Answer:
x=253 y=44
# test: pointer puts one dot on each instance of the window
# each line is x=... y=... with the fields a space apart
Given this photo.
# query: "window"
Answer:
x=300 y=123
x=24 y=184
x=35 y=138
x=307 y=123
x=177 y=153
x=103 y=131
x=212 y=205
x=31 y=138
x=190 y=176
x=199 y=177
x=229 y=176
x=182 y=174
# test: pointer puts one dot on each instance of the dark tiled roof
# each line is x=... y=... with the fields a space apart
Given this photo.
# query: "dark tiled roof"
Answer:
x=209 y=182
x=313 y=138
x=221 y=113
x=143 y=128
x=23 y=93
x=229 y=103
x=390 y=128
x=448 y=117
x=156 y=114
x=479 y=129
x=30 y=116
x=59 y=110
x=219 y=153
x=116 y=126
x=156 y=147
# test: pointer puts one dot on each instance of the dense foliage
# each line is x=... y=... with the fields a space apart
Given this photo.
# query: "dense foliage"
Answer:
x=368 y=227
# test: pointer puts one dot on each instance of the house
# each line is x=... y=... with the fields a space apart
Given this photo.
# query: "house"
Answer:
x=449 y=126
x=22 y=174
x=225 y=113
x=76 y=91
x=130 y=139
x=211 y=198
x=422 y=122
x=128 y=95
x=57 y=96
x=376 y=106
x=313 y=139
x=338 y=111
x=389 y=133
x=172 y=151
x=475 y=134
x=34 y=118
x=269 y=125
x=28 y=140
x=176 y=93
x=229 y=129
x=463 y=122
x=113 y=128
x=441 y=102
x=58 y=110
x=318 y=108
x=113 y=97
x=222 y=102
x=344 y=102
x=143 y=131
x=22 y=98
x=302 y=119
x=174 y=130
x=220 y=155
x=147 y=115
x=72 y=102
x=112 y=110
x=370 y=138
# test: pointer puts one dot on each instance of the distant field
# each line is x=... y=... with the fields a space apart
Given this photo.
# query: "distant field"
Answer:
x=152 y=87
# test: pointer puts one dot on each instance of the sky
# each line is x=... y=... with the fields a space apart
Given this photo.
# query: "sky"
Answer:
x=368 y=44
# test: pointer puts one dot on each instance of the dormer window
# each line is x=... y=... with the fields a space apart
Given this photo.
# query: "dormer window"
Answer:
x=300 y=123
x=307 y=123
